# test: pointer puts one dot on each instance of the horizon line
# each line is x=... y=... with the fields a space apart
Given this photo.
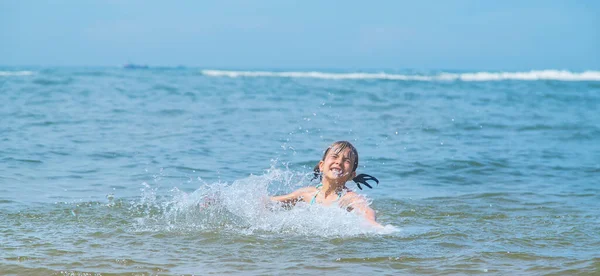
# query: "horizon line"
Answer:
x=300 y=68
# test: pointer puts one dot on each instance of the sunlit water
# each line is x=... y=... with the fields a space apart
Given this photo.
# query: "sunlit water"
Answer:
x=167 y=171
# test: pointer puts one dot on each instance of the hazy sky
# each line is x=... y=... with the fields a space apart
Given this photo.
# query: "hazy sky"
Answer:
x=485 y=35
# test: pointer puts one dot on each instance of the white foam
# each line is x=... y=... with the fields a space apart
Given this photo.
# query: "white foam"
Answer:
x=532 y=76
x=558 y=75
x=16 y=73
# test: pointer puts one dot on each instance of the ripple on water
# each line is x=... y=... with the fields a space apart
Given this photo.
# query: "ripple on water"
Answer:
x=30 y=161
x=53 y=81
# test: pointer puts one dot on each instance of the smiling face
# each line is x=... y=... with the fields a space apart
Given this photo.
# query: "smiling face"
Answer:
x=338 y=165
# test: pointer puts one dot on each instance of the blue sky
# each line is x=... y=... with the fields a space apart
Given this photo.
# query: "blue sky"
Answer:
x=485 y=35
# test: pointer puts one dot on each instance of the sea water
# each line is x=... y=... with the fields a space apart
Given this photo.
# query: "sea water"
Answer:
x=167 y=171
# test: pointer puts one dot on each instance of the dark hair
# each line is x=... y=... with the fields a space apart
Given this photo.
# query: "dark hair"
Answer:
x=339 y=146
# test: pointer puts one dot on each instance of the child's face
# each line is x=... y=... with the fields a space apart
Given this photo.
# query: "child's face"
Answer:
x=338 y=166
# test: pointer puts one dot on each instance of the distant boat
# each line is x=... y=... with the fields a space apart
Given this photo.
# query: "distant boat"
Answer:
x=135 y=66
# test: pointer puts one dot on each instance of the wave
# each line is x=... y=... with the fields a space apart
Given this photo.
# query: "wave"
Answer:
x=16 y=73
x=558 y=75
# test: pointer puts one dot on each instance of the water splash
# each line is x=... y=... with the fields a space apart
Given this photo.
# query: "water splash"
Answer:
x=244 y=207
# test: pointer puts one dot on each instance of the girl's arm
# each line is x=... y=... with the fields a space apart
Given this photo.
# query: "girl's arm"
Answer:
x=357 y=202
x=369 y=214
x=293 y=197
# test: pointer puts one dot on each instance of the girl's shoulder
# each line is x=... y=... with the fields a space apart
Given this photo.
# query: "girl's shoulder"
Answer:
x=350 y=192
x=353 y=196
x=351 y=199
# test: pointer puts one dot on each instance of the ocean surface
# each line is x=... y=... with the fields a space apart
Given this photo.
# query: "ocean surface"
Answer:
x=165 y=171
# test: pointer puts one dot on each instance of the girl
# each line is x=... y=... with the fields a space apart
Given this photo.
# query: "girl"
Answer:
x=337 y=167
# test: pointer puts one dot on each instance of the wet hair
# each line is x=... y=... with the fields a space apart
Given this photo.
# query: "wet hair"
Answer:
x=338 y=147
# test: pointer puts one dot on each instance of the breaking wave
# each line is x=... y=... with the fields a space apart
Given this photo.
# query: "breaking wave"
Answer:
x=16 y=73
x=558 y=75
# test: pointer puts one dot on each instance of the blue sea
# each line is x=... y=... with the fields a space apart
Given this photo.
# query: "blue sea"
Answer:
x=166 y=171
